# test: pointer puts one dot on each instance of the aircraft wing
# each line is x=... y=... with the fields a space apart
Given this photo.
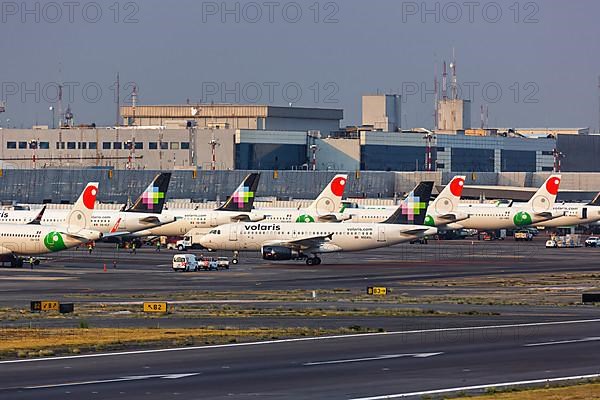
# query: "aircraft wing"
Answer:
x=150 y=219
x=5 y=251
x=242 y=218
x=333 y=218
x=303 y=243
x=415 y=231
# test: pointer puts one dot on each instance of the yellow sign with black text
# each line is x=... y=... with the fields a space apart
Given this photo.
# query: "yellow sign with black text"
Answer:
x=155 y=307
x=377 y=290
x=49 y=305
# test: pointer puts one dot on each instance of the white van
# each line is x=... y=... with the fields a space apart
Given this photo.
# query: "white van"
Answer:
x=185 y=262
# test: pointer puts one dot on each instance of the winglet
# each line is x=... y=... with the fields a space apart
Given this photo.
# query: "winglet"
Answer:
x=152 y=200
x=242 y=199
x=38 y=219
x=413 y=208
x=595 y=201
x=330 y=199
x=543 y=200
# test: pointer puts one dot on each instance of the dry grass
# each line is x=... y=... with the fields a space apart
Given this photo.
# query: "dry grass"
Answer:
x=579 y=392
x=28 y=342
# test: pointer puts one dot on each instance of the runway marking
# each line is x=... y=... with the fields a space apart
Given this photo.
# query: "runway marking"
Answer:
x=304 y=339
x=122 y=379
x=589 y=339
x=382 y=357
x=479 y=387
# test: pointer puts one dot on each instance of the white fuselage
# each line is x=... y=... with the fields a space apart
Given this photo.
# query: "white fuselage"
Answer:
x=18 y=239
x=343 y=237
x=573 y=214
x=491 y=217
x=105 y=221
x=188 y=219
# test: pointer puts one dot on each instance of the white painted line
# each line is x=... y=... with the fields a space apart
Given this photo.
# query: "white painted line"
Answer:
x=382 y=357
x=479 y=387
x=589 y=339
x=304 y=339
x=123 y=379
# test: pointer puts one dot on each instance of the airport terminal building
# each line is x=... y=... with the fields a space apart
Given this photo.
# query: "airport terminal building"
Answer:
x=261 y=137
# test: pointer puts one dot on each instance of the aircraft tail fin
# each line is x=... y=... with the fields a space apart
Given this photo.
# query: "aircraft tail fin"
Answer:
x=242 y=199
x=152 y=199
x=449 y=198
x=543 y=200
x=80 y=216
x=330 y=199
x=413 y=208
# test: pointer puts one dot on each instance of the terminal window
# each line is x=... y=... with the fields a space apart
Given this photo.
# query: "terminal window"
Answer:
x=44 y=145
x=92 y=145
x=117 y=145
x=152 y=145
x=11 y=145
x=139 y=145
x=174 y=145
x=70 y=145
x=22 y=145
x=82 y=145
x=164 y=145
x=105 y=145
x=185 y=145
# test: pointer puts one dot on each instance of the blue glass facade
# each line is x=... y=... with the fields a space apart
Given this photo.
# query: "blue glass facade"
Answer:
x=269 y=156
x=468 y=160
x=518 y=161
x=392 y=158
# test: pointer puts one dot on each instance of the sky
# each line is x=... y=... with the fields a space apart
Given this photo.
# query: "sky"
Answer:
x=534 y=64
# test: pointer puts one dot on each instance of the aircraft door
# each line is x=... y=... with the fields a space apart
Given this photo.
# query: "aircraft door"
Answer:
x=584 y=213
x=233 y=232
x=380 y=233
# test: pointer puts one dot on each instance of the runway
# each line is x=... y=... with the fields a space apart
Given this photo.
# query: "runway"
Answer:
x=488 y=314
x=358 y=366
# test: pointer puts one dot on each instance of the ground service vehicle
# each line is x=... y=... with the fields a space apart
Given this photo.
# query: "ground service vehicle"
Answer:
x=592 y=241
x=185 y=262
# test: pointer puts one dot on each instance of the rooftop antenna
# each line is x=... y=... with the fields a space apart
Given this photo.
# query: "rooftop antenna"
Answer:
x=134 y=95
x=118 y=93
x=435 y=96
x=454 y=83
x=444 y=81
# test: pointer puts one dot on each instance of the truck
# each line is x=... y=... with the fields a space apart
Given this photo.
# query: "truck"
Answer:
x=523 y=235
x=191 y=240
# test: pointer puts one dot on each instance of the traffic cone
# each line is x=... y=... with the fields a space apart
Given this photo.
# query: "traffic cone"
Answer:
x=104 y=267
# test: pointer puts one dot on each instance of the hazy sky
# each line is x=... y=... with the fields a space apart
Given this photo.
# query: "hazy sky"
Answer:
x=535 y=63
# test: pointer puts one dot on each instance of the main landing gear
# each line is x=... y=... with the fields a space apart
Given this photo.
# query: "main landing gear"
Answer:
x=235 y=258
x=313 y=260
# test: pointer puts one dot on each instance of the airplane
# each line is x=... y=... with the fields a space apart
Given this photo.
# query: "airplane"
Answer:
x=575 y=214
x=238 y=207
x=293 y=240
x=441 y=211
x=490 y=217
x=32 y=239
x=325 y=208
x=115 y=224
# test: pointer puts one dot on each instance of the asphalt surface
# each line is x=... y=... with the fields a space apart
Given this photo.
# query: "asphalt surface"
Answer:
x=336 y=368
x=347 y=367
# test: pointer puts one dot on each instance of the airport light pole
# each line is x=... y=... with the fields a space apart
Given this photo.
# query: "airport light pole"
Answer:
x=313 y=149
x=213 y=145
x=51 y=109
